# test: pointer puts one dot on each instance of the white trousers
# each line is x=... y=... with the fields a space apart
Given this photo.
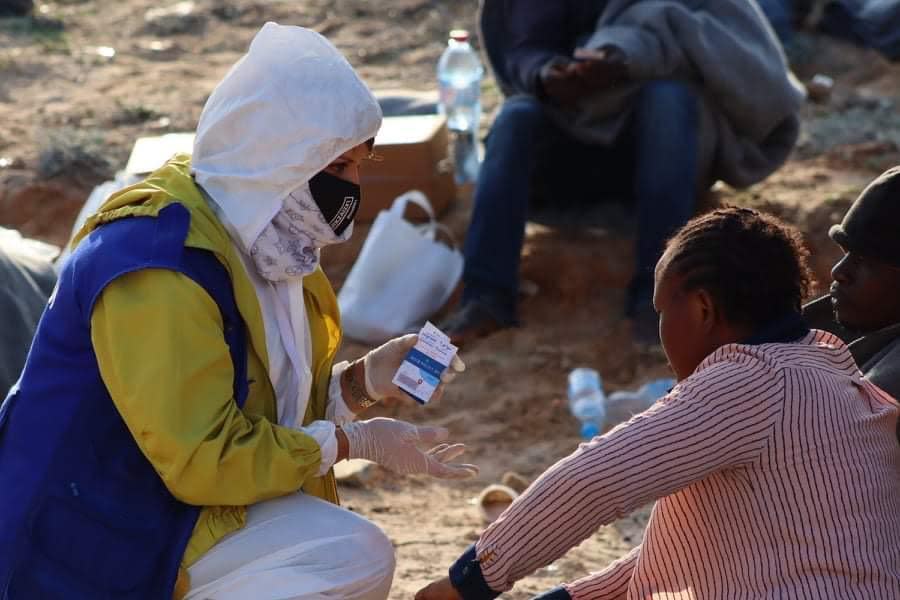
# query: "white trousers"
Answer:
x=297 y=546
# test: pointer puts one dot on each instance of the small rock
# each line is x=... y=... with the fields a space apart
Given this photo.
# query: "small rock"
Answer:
x=819 y=88
x=225 y=10
x=356 y=473
x=174 y=19
x=14 y=162
x=159 y=124
x=104 y=52
x=515 y=481
x=493 y=500
x=159 y=49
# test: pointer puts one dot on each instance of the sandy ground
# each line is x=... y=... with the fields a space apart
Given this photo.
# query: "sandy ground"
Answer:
x=79 y=83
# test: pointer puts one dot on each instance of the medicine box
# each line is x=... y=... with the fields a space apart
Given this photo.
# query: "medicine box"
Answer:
x=420 y=372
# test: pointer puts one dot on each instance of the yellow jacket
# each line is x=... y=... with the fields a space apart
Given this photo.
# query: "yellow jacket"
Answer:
x=160 y=347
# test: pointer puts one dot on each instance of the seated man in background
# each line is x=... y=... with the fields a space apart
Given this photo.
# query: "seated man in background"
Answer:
x=863 y=307
x=604 y=98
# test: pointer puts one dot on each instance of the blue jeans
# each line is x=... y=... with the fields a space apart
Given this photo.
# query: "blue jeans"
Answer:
x=654 y=162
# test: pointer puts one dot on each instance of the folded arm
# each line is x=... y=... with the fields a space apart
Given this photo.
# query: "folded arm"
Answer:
x=158 y=337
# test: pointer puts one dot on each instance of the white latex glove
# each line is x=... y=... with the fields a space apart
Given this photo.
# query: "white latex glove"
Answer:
x=392 y=444
x=382 y=364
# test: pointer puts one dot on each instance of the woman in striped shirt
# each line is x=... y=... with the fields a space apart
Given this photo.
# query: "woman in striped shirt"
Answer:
x=774 y=464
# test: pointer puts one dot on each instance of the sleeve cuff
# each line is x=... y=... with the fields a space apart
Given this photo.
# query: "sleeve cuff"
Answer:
x=467 y=578
x=323 y=433
x=337 y=410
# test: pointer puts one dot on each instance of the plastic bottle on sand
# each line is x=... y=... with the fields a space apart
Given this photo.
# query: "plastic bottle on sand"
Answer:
x=587 y=402
x=623 y=405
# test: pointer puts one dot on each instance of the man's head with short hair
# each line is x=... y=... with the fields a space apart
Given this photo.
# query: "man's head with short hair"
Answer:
x=866 y=288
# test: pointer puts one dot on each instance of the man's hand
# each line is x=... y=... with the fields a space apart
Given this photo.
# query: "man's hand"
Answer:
x=598 y=69
x=591 y=71
x=441 y=589
x=560 y=84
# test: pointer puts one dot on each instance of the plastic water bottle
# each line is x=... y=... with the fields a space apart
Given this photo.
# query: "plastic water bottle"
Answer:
x=459 y=74
x=587 y=401
x=656 y=389
x=623 y=405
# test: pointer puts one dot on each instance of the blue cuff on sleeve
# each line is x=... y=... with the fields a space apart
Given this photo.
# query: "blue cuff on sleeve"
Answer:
x=466 y=577
x=558 y=593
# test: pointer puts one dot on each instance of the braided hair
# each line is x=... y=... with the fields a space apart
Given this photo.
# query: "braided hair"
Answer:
x=751 y=263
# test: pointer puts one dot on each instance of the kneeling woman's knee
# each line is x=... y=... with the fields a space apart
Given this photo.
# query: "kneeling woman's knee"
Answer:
x=371 y=547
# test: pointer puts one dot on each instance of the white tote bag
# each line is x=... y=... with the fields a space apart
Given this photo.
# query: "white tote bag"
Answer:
x=403 y=275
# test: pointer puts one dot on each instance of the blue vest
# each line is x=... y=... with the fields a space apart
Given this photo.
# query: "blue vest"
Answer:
x=83 y=514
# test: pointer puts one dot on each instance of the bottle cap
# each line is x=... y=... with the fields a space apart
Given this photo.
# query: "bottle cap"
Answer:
x=589 y=431
x=459 y=35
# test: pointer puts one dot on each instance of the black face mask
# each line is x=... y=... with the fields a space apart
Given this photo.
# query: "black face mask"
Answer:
x=337 y=199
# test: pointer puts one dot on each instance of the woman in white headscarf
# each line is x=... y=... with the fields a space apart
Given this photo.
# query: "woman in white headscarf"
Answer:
x=187 y=357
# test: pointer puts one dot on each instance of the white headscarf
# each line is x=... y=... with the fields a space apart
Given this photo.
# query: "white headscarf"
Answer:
x=284 y=112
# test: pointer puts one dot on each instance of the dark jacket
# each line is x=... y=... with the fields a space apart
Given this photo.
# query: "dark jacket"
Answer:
x=536 y=32
x=876 y=353
x=27 y=281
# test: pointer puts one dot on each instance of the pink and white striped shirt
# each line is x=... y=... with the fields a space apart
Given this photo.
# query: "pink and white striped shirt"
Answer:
x=776 y=471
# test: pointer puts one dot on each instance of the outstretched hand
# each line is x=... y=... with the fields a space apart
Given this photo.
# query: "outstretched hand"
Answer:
x=441 y=589
x=395 y=445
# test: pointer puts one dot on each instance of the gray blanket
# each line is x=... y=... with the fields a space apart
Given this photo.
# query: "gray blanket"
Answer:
x=26 y=281
x=724 y=48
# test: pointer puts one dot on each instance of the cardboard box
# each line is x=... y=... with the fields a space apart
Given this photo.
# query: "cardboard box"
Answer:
x=413 y=154
x=150 y=153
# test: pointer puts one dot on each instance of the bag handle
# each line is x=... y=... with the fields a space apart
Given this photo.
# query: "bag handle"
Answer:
x=429 y=229
x=417 y=198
